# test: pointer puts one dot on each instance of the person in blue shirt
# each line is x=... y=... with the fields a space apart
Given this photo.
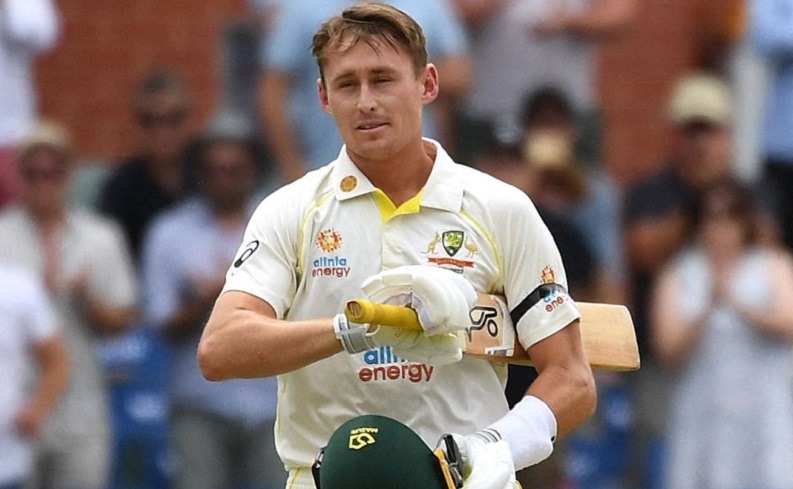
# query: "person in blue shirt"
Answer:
x=221 y=433
x=771 y=34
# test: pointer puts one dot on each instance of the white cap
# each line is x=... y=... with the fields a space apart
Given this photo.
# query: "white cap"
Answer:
x=700 y=97
x=45 y=134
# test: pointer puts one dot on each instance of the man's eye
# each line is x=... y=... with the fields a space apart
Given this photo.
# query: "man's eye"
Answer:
x=382 y=80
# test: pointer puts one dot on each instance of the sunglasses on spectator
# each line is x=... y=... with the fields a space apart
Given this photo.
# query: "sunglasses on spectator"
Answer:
x=174 y=118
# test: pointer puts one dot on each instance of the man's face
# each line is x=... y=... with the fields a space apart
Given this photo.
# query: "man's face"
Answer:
x=704 y=151
x=376 y=98
x=162 y=118
x=45 y=176
x=227 y=174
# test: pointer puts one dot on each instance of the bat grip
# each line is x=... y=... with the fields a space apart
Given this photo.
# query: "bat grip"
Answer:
x=362 y=311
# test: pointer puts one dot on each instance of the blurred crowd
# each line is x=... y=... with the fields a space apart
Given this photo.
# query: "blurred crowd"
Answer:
x=109 y=272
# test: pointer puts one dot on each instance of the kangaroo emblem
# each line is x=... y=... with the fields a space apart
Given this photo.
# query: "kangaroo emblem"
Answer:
x=432 y=244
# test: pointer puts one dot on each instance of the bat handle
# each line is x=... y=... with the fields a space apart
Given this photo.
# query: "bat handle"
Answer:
x=362 y=311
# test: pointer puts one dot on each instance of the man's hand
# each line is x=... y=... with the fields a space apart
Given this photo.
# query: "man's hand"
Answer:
x=414 y=346
x=441 y=298
x=486 y=460
x=28 y=421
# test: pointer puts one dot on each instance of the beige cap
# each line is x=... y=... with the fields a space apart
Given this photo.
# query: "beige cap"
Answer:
x=700 y=97
x=45 y=134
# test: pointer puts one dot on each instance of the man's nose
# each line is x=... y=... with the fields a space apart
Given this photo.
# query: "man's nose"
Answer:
x=366 y=99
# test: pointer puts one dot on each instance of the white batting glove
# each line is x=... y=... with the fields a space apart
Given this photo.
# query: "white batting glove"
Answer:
x=486 y=461
x=440 y=349
x=440 y=297
x=414 y=346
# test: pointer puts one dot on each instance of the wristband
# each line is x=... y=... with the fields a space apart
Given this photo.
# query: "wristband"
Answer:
x=529 y=429
x=352 y=336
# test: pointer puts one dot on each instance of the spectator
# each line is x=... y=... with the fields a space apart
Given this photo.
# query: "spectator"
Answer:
x=722 y=312
x=27 y=29
x=656 y=207
x=85 y=265
x=29 y=335
x=222 y=433
x=508 y=164
x=771 y=31
x=300 y=135
x=655 y=221
x=561 y=182
x=519 y=46
x=157 y=176
x=748 y=75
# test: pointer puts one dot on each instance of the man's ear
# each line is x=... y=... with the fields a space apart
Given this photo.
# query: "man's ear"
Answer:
x=430 y=84
x=323 y=96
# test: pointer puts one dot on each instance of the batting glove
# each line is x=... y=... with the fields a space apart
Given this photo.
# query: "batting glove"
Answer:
x=483 y=459
x=440 y=297
x=415 y=346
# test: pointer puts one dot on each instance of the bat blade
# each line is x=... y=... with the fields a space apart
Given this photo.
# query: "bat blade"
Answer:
x=607 y=332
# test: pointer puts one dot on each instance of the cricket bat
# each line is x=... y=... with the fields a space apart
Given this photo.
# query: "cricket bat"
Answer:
x=607 y=331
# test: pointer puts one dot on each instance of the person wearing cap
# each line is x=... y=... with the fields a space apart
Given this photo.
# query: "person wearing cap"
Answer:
x=84 y=262
x=28 y=28
x=221 y=433
x=385 y=222
x=655 y=207
x=655 y=216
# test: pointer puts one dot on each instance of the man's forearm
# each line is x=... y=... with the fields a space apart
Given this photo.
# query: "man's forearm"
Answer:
x=608 y=18
x=239 y=342
x=29 y=23
x=110 y=319
x=278 y=126
x=54 y=378
x=569 y=392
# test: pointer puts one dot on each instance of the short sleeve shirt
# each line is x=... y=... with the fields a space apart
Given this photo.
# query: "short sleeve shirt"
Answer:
x=92 y=247
x=311 y=244
x=27 y=319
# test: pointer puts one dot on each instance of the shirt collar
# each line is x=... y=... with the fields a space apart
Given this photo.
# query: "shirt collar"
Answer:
x=443 y=190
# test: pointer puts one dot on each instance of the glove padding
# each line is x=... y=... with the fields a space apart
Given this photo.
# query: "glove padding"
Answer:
x=440 y=297
x=415 y=346
x=486 y=461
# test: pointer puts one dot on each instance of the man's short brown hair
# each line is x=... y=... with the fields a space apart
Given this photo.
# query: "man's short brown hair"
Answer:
x=374 y=24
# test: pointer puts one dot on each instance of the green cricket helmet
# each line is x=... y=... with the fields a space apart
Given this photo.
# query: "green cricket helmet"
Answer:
x=377 y=452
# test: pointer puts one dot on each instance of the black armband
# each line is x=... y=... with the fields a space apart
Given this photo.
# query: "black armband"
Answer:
x=533 y=298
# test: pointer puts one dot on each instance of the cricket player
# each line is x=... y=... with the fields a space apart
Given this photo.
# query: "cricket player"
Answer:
x=394 y=220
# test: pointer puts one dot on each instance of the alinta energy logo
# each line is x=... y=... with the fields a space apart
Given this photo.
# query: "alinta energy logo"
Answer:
x=383 y=365
x=452 y=242
x=330 y=241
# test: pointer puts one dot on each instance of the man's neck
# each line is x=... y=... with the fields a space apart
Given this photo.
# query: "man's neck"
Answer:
x=230 y=217
x=402 y=176
x=167 y=173
x=47 y=219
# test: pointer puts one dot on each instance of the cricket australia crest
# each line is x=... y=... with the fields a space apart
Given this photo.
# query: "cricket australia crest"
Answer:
x=452 y=241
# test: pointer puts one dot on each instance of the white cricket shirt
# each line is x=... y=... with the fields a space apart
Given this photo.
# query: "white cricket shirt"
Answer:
x=26 y=319
x=311 y=244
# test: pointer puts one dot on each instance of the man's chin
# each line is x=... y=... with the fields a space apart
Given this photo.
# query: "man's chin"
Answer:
x=372 y=150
